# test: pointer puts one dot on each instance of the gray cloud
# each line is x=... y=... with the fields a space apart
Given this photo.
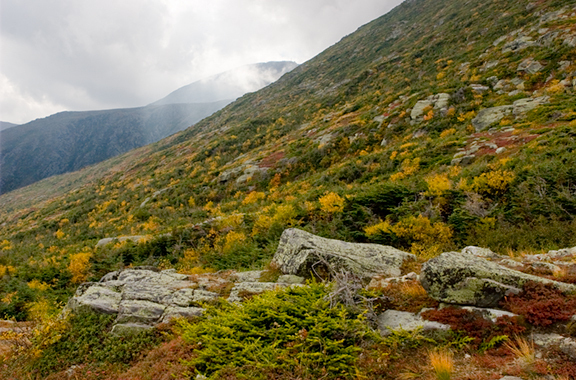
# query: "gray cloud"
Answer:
x=78 y=55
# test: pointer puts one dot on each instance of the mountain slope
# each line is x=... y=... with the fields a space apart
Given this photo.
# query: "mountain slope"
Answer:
x=69 y=141
x=429 y=129
x=437 y=126
x=6 y=125
x=230 y=84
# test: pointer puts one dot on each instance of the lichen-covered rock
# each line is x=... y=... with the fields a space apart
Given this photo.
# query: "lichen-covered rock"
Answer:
x=135 y=239
x=437 y=101
x=392 y=320
x=488 y=116
x=530 y=66
x=299 y=251
x=465 y=279
x=566 y=345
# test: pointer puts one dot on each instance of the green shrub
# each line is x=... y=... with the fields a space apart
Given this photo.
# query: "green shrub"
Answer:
x=89 y=340
x=285 y=331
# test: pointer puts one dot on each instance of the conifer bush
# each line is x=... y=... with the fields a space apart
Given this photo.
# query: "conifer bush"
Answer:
x=286 y=331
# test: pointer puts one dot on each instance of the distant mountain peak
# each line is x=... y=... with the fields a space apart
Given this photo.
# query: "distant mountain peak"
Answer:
x=230 y=84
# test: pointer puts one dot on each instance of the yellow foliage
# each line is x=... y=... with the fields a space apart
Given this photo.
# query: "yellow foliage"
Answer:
x=427 y=238
x=79 y=266
x=232 y=240
x=438 y=184
x=8 y=297
x=454 y=171
x=429 y=115
x=331 y=203
x=474 y=78
x=253 y=197
x=38 y=285
x=493 y=183
x=555 y=87
x=466 y=116
x=440 y=75
x=64 y=222
x=407 y=145
x=393 y=155
x=7 y=270
x=49 y=326
x=448 y=132
x=382 y=227
x=408 y=167
x=151 y=224
x=59 y=234
x=191 y=202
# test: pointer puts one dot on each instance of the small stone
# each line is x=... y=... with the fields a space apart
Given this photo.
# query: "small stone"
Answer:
x=291 y=279
x=500 y=150
x=395 y=320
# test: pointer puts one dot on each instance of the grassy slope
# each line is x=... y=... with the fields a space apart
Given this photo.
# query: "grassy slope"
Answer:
x=426 y=204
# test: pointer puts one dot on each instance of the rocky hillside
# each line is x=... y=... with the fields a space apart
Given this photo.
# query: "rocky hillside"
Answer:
x=435 y=127
x=68 y=141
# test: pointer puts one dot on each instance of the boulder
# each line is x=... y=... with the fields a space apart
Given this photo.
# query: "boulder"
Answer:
x=135 y=239
x=488 y=116
x=530 y=66
x=524 y=105
x=566 y=345
x=300 y=251
x=392 y=320
x=465 y=279
x=437 y=101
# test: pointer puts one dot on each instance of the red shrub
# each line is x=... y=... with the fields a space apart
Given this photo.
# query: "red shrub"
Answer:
x=474 y=325
x=541 y=304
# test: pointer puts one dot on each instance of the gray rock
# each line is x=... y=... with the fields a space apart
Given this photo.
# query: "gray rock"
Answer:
x=144 y=312
x=545 y=267
x=524 y=105
x=243 y=289
x=566 y=345
x=299 y=251
x=135 y=239
x=172 y=312
x=291 y=279
x=500 y=150
x=392 y=320
x=490 y=314
x=126 y=329
x=437 y=101
x=97 y=298
x=519 y=44
x=465 y=279
x=530 y=66
x=480 y=252
x=488 y=116
x=249 y=276
x=512 y=263
x=478 y=88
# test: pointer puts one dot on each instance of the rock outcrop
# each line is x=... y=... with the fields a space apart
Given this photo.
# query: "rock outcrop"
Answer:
x=465 y=279
x=141 y=298
x=299 y=252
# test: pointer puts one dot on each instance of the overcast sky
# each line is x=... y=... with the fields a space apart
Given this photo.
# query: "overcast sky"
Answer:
x=58 y=55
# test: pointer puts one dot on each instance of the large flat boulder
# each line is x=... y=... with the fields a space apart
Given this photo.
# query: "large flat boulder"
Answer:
x=299 y=252
x=466 y=279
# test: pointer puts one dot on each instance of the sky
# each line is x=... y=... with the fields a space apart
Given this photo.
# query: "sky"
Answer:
x=76 y=55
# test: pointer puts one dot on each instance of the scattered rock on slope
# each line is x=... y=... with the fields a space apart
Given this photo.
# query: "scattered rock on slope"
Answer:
x=465 y=279
x=299 y=252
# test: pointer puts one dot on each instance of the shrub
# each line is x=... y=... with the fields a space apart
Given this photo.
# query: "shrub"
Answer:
x=474 y=325
x=331 y=203
x=541 y=304
x=291 y=331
